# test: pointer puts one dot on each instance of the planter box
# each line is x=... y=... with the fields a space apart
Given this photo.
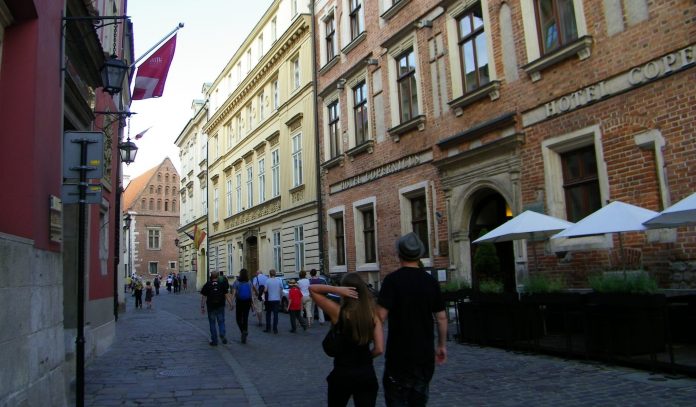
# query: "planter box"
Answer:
x=682 y=318
x=626 y=324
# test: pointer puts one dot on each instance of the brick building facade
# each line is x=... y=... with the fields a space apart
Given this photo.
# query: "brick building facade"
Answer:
x=449 y=117
x=151 y=202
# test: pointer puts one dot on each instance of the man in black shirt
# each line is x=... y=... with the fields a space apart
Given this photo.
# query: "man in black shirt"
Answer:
x=214 y=295
x=409 y=298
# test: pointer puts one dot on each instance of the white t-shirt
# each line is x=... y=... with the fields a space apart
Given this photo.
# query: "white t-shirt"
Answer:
x=274 y=288
x=303 y=284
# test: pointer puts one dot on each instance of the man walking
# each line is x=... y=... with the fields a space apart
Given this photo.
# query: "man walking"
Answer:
x=409 y=298
x=274 y=289
x=317 y=280
x=258 y=283
x=214 y=294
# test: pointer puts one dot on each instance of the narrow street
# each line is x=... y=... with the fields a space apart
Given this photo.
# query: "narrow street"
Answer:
x=162 y=357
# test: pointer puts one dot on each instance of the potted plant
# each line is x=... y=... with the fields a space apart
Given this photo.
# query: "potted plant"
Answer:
x=455 y=289
x=626 y=315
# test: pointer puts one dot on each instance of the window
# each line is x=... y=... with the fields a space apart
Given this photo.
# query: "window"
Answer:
x=172 y=265
x=419 y=221
x=173 y=206
x=360 y=113
x=152 y=204
x=239 y=126
x=277 y=252
x=472 y=49
x=248 y=117
x=204 y=199
x=228 y=197
x=216 y=197
x=152 y=189
x=293 y=8
x=152 y=267
x=299 y=248
x=260 y=46
x=166 y=205
x=153 y=239
x=259 y=101
x=274 y=29
x=330 y=38
x=334 y=132
x=143 y=204
x=276 y=95
x=262 y=180
x=369 y=235
x=297 y=160
x=228 y=133
x=239 y=72
x=340 y=241
x=275 y=173
x=239 y=192
x=580 y=183
x=296 y=73
x=230 y=258
x=555 y=23
x=250 y=186
x=248 y=60
x=159 y=204
x=159 y=189
x=356 y=18
x=406 y=81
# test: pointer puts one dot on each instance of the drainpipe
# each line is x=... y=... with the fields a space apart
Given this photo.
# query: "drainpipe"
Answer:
x=320 y=210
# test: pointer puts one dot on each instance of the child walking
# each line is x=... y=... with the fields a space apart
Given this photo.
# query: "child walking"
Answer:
x=148 y=295
x=295 y=307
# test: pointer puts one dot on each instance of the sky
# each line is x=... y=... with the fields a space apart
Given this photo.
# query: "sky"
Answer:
x=213 y=31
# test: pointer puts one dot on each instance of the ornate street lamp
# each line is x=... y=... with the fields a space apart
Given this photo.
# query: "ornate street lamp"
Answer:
x=128 y=150
x=113 y=72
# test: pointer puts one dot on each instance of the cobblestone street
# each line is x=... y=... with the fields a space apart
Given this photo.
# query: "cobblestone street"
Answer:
x=162 y=357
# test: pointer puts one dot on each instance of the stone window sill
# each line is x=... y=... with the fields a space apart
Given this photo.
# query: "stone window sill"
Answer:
x=492 y=90
x=329 y=65
x=297 y=188
x=338 y=160
x=397 y=132
x=388 y=14
x=357 y=40
x=367 y=146
x=582 y=47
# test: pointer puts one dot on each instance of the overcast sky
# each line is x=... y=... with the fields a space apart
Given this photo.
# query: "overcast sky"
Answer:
x=212 y=33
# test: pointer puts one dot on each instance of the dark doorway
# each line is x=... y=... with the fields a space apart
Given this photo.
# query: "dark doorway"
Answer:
x=252 y=255
x=490 y=211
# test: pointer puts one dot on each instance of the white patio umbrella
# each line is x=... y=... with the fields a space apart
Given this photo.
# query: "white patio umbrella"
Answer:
x=528 y=225
x=682 y=213
x=617 y=217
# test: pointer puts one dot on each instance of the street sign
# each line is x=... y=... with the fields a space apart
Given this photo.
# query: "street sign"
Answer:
x=71 y=194
x=71 y=154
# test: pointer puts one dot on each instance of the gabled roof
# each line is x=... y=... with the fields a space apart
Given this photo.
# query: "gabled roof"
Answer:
x=138 y=185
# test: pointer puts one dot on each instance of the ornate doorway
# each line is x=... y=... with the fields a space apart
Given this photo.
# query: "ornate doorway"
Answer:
x=251 y=258
x=490 y=211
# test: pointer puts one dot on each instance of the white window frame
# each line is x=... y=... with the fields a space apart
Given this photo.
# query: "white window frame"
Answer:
x=296 y=73
x=328 y=101
x=204 y=199
x=228 y=197
x=529 y=24
x=334 y=213
x=250 y=186
x=276 y=95
x=277 y=251
x=275 y=173
x=238 y=175
x=259 y=49
x=229 y=134
x=262 y=179
x=238 y=119
x=350 y=105
x=405 y=195
x=297 y=170
x=409 y=41
x=293 y=8
x=149 y=267
x=369 y=203
x=248 y=60
x=249 y=118
x=298 y=235
x=259 y=101
x=154 y=238
x=274 y=29
x=230 y=258
x=551 y=150
x=216 y=204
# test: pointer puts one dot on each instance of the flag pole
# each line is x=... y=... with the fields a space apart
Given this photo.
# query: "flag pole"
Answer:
x=181 y=25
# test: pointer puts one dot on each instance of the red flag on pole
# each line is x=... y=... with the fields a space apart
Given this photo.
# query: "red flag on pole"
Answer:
x=142 y=133
x=152 y=74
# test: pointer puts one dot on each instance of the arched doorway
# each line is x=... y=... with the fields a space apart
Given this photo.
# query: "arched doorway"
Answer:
x=490 y=211
x=251 y=257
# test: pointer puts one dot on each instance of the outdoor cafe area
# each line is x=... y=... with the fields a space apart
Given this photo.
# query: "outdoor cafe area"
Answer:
x=623 y=316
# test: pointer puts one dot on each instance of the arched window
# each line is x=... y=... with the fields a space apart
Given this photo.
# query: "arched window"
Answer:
x=142 y=204
x=159 y=177
x=166 y=190
x=166 y=206
x=166 y=178
x=159 y=189
x=152 y=204
x=159 y=204
x=173 y=206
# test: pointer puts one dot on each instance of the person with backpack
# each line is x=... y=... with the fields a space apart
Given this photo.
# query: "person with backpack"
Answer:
x=258 y=284
x=214 y=294
x=241 y=292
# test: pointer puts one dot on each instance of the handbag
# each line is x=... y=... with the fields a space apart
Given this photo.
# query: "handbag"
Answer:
x=334 y=342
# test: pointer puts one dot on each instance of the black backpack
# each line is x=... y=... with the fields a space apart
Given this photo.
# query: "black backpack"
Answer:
x=216 y=295
x=260 y=290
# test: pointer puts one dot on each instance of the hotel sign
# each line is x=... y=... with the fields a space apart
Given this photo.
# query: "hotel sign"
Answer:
x=651 y=71
x=382 y=171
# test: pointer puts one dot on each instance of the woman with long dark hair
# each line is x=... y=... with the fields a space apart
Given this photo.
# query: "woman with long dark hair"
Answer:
x=356 y=337
x=241 y=292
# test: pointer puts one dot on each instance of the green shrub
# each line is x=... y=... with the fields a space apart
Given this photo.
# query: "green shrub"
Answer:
x=491 y=286
x=455 y=285
x=638 y=283
x=538 y=284
x=486 y=261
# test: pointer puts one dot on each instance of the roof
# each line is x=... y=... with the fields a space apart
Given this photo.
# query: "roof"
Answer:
x=138 y=185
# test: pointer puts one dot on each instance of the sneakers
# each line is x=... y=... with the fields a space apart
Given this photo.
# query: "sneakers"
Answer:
x=292 y=331
x=211 y=343
x=244 y=336
x=224 y=340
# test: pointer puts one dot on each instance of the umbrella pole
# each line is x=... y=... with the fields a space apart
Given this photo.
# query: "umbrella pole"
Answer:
x=536 y=259
x=623 y=260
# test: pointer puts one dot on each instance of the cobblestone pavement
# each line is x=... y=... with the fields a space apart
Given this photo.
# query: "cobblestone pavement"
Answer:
x=162 y=357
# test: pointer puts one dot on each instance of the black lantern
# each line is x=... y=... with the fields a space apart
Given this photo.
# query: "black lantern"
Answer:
x=113 y=72
x=176 y=242
x=128 y=150
x=127 y=220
